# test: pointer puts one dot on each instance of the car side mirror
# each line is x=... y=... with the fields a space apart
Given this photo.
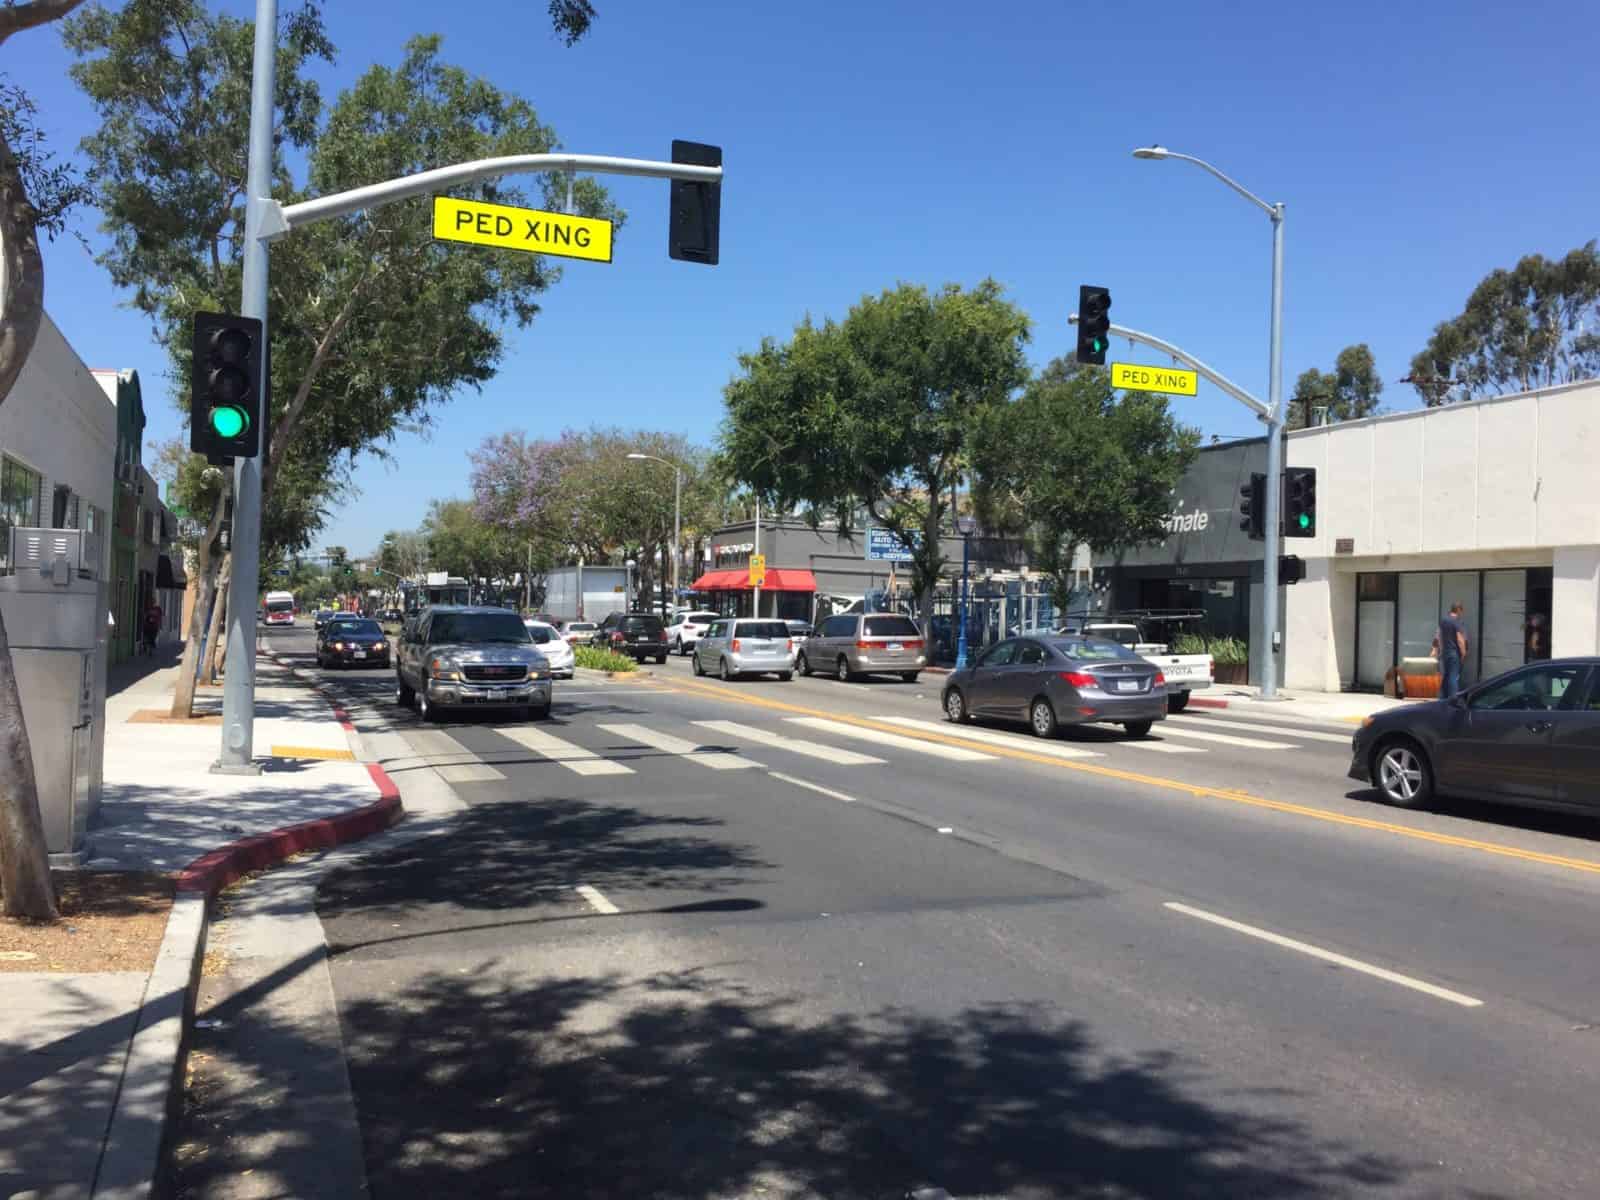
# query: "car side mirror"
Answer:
x=1459 y=700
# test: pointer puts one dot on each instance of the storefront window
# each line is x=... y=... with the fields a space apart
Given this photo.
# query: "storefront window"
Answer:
x=19 y=501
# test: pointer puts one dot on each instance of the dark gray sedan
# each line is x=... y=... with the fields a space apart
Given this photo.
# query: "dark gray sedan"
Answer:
x=1054 y=681
x=1530 y=736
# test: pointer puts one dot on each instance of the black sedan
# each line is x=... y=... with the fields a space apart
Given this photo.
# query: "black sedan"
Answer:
x=1530 y=736
x=352 y=641
x=1054 y=681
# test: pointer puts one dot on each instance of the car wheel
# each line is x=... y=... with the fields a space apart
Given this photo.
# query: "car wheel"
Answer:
x=677 y=647
x=427 y=710
x=1402 y=773
x=403 y=695
x=802 y=664
x=538 y=712
x=694 y=665
x=1138 y=729
x=727 y=675
x=1177 y=701
x=842 y=670
x=955 y=707
x=909 y=676
x=785 y=676
x=1042 y=716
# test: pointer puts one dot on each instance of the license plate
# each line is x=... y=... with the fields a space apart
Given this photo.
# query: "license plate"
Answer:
x=896 y=646
x=498 y=693
x=360 y=654
x=1127 y=685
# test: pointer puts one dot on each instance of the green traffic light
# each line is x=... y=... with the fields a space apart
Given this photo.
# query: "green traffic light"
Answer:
x=1305 y=521
x=228 y=422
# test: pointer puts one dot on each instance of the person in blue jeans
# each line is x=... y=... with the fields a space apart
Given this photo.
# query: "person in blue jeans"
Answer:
x=1450 y=647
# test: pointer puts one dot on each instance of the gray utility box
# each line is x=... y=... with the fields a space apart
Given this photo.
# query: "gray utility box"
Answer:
x=50 y=598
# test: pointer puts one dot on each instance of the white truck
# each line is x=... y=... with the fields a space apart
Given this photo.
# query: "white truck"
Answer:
x=1184 y=672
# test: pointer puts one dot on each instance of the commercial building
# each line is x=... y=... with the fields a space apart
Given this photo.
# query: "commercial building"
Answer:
x=1489 y=503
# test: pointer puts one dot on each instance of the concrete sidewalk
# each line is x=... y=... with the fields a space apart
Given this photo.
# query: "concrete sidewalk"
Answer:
x=1342 y=708
x=90 y=1063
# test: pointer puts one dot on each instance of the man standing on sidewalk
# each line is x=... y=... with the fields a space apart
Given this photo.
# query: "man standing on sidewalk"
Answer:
x=152 y=625
x=1450 y=647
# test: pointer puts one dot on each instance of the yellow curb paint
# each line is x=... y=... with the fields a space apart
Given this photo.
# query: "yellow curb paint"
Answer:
x=1237 y=797
x=312 y=752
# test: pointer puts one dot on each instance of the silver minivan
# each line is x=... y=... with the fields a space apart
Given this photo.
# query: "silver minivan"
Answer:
x=850 y=645
x=744 y=646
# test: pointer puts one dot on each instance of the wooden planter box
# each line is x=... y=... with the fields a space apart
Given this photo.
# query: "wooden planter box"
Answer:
x=1231 y=672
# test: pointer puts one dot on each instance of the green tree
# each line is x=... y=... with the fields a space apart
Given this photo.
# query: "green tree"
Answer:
x=461 y=544
x=403 y=553
x=1073 y=463
x=1535 y=325
x=876 y=412
x=1349 y=391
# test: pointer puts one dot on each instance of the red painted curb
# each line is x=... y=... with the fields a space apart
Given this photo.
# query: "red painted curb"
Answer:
x=211 y=872
x=1206 y=702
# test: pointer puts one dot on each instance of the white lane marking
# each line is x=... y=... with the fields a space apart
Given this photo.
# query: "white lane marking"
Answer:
x=453 y=761
x=719 y=760
x=1355 y=964
x=995 y=738
x=1315 y=735
x=1173 y=729
x=574 y=758
x=1322 y=724
x=937 y=749
x=945 y=829
x=815 y=787
x=1159 y=747
x=845 y=758
x=596 y=901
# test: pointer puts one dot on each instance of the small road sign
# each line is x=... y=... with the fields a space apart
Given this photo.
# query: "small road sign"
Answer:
x=1138 y=378
x=528 y=229
x=883 y=546
x=758 y=570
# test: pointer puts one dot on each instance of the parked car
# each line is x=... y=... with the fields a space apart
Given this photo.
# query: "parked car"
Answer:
x=1529 y=736
x=687 y=628
x=640 y=634
x=1184 y=672
x=458 y=656
x=745 y=646
x=1052 y=682
x=799 y=630
x=553 y=646
x=851 y=645
x=352 y=641
x=579 y=633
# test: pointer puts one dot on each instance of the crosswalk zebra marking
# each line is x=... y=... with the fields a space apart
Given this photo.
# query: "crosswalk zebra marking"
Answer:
x=573 y=757
x=718 y=760
x=765 y=737
x=937 y=749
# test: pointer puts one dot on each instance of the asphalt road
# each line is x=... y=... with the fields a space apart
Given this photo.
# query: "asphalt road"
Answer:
x=780 y=939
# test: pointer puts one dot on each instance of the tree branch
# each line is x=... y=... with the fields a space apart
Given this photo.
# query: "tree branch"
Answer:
x=22 y=304
x=14 y=18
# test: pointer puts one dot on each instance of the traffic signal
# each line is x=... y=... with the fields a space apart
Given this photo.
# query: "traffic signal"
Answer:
x=1300 y=502
x=225 y=402
x=694 y=217
x=1094 y=324
x=1253 y=507
x=1291 y=569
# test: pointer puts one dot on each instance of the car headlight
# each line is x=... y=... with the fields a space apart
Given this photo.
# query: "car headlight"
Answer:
x=381 y=646
x=338 y=645
x=443 y=668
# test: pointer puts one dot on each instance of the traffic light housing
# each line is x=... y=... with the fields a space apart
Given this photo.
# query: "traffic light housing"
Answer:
x=694 y=217
x=1291 y=569
x=1094 y=324
x=1253 y=507
x=225 y=404
x=1299 y=502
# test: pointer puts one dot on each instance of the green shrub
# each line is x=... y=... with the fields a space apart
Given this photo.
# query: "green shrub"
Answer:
x=1229 y=652
x=597 y=659
x=1190 y=643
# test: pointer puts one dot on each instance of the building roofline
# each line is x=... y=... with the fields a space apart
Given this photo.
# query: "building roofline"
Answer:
x=1413 y=414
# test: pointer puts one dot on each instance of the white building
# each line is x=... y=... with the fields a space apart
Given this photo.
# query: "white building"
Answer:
x=1492 y=503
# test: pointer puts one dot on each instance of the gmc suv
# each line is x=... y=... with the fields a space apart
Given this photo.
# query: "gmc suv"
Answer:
x=451 y=656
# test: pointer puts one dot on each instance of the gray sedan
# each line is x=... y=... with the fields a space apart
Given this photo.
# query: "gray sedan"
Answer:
x=1530 y=736
x=1054 y=681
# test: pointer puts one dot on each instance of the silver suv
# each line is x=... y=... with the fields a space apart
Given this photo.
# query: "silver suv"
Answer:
x=751 y=646
x=452 y=657
x=851 y=645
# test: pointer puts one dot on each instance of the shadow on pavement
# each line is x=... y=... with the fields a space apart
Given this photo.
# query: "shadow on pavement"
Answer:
x=1582 y=826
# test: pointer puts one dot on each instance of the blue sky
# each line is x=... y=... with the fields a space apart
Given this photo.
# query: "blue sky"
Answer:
x=878 y=141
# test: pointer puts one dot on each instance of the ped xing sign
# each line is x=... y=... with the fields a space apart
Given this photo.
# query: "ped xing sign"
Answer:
x=529 y=229
x=1135 y=377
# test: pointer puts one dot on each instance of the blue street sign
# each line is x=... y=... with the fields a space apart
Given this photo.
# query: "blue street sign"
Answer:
x=883 y=546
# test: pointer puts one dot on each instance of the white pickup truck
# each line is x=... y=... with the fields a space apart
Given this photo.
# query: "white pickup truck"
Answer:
x=1184 y=672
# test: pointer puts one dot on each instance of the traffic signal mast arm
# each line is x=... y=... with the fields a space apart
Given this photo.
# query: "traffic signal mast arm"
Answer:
x=1193 y=363
x=279 y=219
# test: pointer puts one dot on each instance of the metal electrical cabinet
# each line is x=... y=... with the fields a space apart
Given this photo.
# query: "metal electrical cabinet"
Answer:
x=50 y=598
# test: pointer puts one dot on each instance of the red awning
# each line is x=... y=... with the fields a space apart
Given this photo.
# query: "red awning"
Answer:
x=779 y=579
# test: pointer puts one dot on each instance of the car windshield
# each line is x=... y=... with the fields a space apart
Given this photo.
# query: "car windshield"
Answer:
x=891 y=627
x=541 y=634
x=495 y=627
x=280 y=606
x=354 y=629
x=761 y=629
x=1094 y=649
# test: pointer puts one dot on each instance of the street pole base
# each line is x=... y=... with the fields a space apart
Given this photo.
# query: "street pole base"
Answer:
x=221 y=768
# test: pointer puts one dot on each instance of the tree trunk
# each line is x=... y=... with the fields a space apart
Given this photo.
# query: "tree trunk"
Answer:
x=24 y=858
x=218 y=615
x=183 y=694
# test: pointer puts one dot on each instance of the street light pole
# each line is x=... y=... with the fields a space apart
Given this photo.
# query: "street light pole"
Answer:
x=1273 y=416
x=677 y=516
x=966 y=525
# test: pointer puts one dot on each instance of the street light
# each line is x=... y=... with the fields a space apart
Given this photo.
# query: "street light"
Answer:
x=965 y=525
x=627 y=596
x=677 y=510
x=1274 y=418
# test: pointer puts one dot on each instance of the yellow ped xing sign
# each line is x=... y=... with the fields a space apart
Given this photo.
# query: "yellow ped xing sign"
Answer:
x=1138 y=378
x=529 y=229
x=758 y=570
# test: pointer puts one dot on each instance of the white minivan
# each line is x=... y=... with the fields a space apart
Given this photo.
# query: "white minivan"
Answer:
x=745 y=646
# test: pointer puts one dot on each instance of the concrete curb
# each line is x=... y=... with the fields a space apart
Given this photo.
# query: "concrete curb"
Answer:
x=1206 y=702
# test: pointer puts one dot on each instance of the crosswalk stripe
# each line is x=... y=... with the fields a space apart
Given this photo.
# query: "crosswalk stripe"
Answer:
x=994 y=737
x=937 y=749
x=765 y=737
x=1315 y=735
x=1173 y=729
x=435 y=745
x=573 y=757
x=1159 y=747
x=717 y=761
